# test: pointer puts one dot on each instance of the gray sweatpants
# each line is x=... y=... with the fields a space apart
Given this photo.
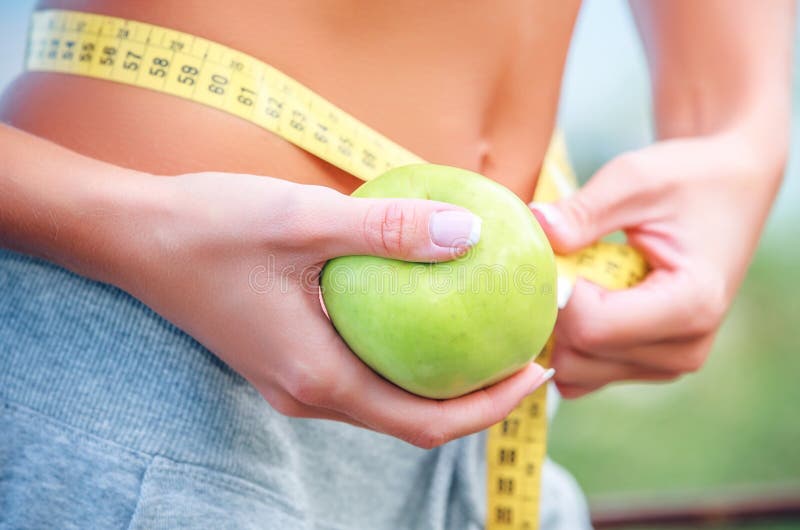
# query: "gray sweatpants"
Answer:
x=111 y=417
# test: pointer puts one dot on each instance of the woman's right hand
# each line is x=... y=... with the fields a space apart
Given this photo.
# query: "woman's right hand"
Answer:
x=234 y=260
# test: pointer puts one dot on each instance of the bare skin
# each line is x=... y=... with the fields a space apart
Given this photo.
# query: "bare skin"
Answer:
x=474 y=87
x=694 y=202
x=459 y=89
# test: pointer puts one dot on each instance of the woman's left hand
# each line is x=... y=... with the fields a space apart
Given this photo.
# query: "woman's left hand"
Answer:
x=695 y=208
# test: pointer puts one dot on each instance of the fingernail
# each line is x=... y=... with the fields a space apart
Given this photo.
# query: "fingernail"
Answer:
x=551 y=214
x=453 y=229
x=564 y=288
x=545 y=377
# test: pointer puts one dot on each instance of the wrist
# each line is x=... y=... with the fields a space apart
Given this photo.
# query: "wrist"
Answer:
x=755 y=133
x=112 y=224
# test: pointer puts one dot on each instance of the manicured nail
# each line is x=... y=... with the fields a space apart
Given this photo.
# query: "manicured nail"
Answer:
x=548 y=375
x=454 y=229
x=545 y=377
x=551 y=214
x=564 y=288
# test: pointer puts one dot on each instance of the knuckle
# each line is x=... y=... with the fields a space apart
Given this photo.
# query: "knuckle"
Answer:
x=634 y=165
x=309 y=386
x=297 y=216
x=633 y=171
x=708 y=306
x=694 y=360
x=429 y=439
x=690 y=364
x=388 y=227
x=563 y=363
x=433 y=432
x=582 y=215
x=302 y=222
x=284 y=404
x=586 y=337
x=689 y=360
x=306 y=392
x=581 y=212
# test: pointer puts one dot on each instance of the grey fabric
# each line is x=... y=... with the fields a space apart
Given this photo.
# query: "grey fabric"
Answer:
x=113 y=418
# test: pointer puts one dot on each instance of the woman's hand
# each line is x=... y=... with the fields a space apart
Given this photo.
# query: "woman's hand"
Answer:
x=234 y=261
x=695 y=207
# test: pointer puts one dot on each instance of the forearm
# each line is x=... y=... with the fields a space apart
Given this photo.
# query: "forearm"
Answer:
x=718 y=65
x=67 y=208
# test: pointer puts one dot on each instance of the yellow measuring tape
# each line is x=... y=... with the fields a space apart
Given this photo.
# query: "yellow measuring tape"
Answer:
x=197 y=69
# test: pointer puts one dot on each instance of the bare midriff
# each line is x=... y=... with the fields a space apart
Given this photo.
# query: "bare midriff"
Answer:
x=470 y=84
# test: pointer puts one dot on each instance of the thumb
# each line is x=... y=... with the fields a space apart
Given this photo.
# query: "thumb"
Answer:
x=405 y=229
x=613 y=199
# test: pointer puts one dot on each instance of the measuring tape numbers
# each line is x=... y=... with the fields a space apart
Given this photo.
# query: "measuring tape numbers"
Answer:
x=516 y=447
x=194 y=68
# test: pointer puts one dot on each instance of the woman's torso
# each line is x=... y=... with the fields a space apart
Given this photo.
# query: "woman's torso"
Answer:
x=470 y=84
x=95 y=385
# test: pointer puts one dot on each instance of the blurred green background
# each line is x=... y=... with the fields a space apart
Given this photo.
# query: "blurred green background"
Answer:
x=737 y=422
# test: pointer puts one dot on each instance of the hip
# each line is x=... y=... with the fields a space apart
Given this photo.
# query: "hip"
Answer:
x=94 y=384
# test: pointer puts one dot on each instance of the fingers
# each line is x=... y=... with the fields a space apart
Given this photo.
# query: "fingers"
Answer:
x=582 y=372
x=284 y=403
x=664 y=326
x=360 y=394
x=646 y=333
x=573 y=391
x=429 y=423
x=678 y=356
x=620 y=195
x=327 y=376
x=405 y=229
x=668 y=305
x=363 y=395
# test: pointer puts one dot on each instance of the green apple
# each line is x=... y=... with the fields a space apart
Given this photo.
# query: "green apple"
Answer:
x=444 y=329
